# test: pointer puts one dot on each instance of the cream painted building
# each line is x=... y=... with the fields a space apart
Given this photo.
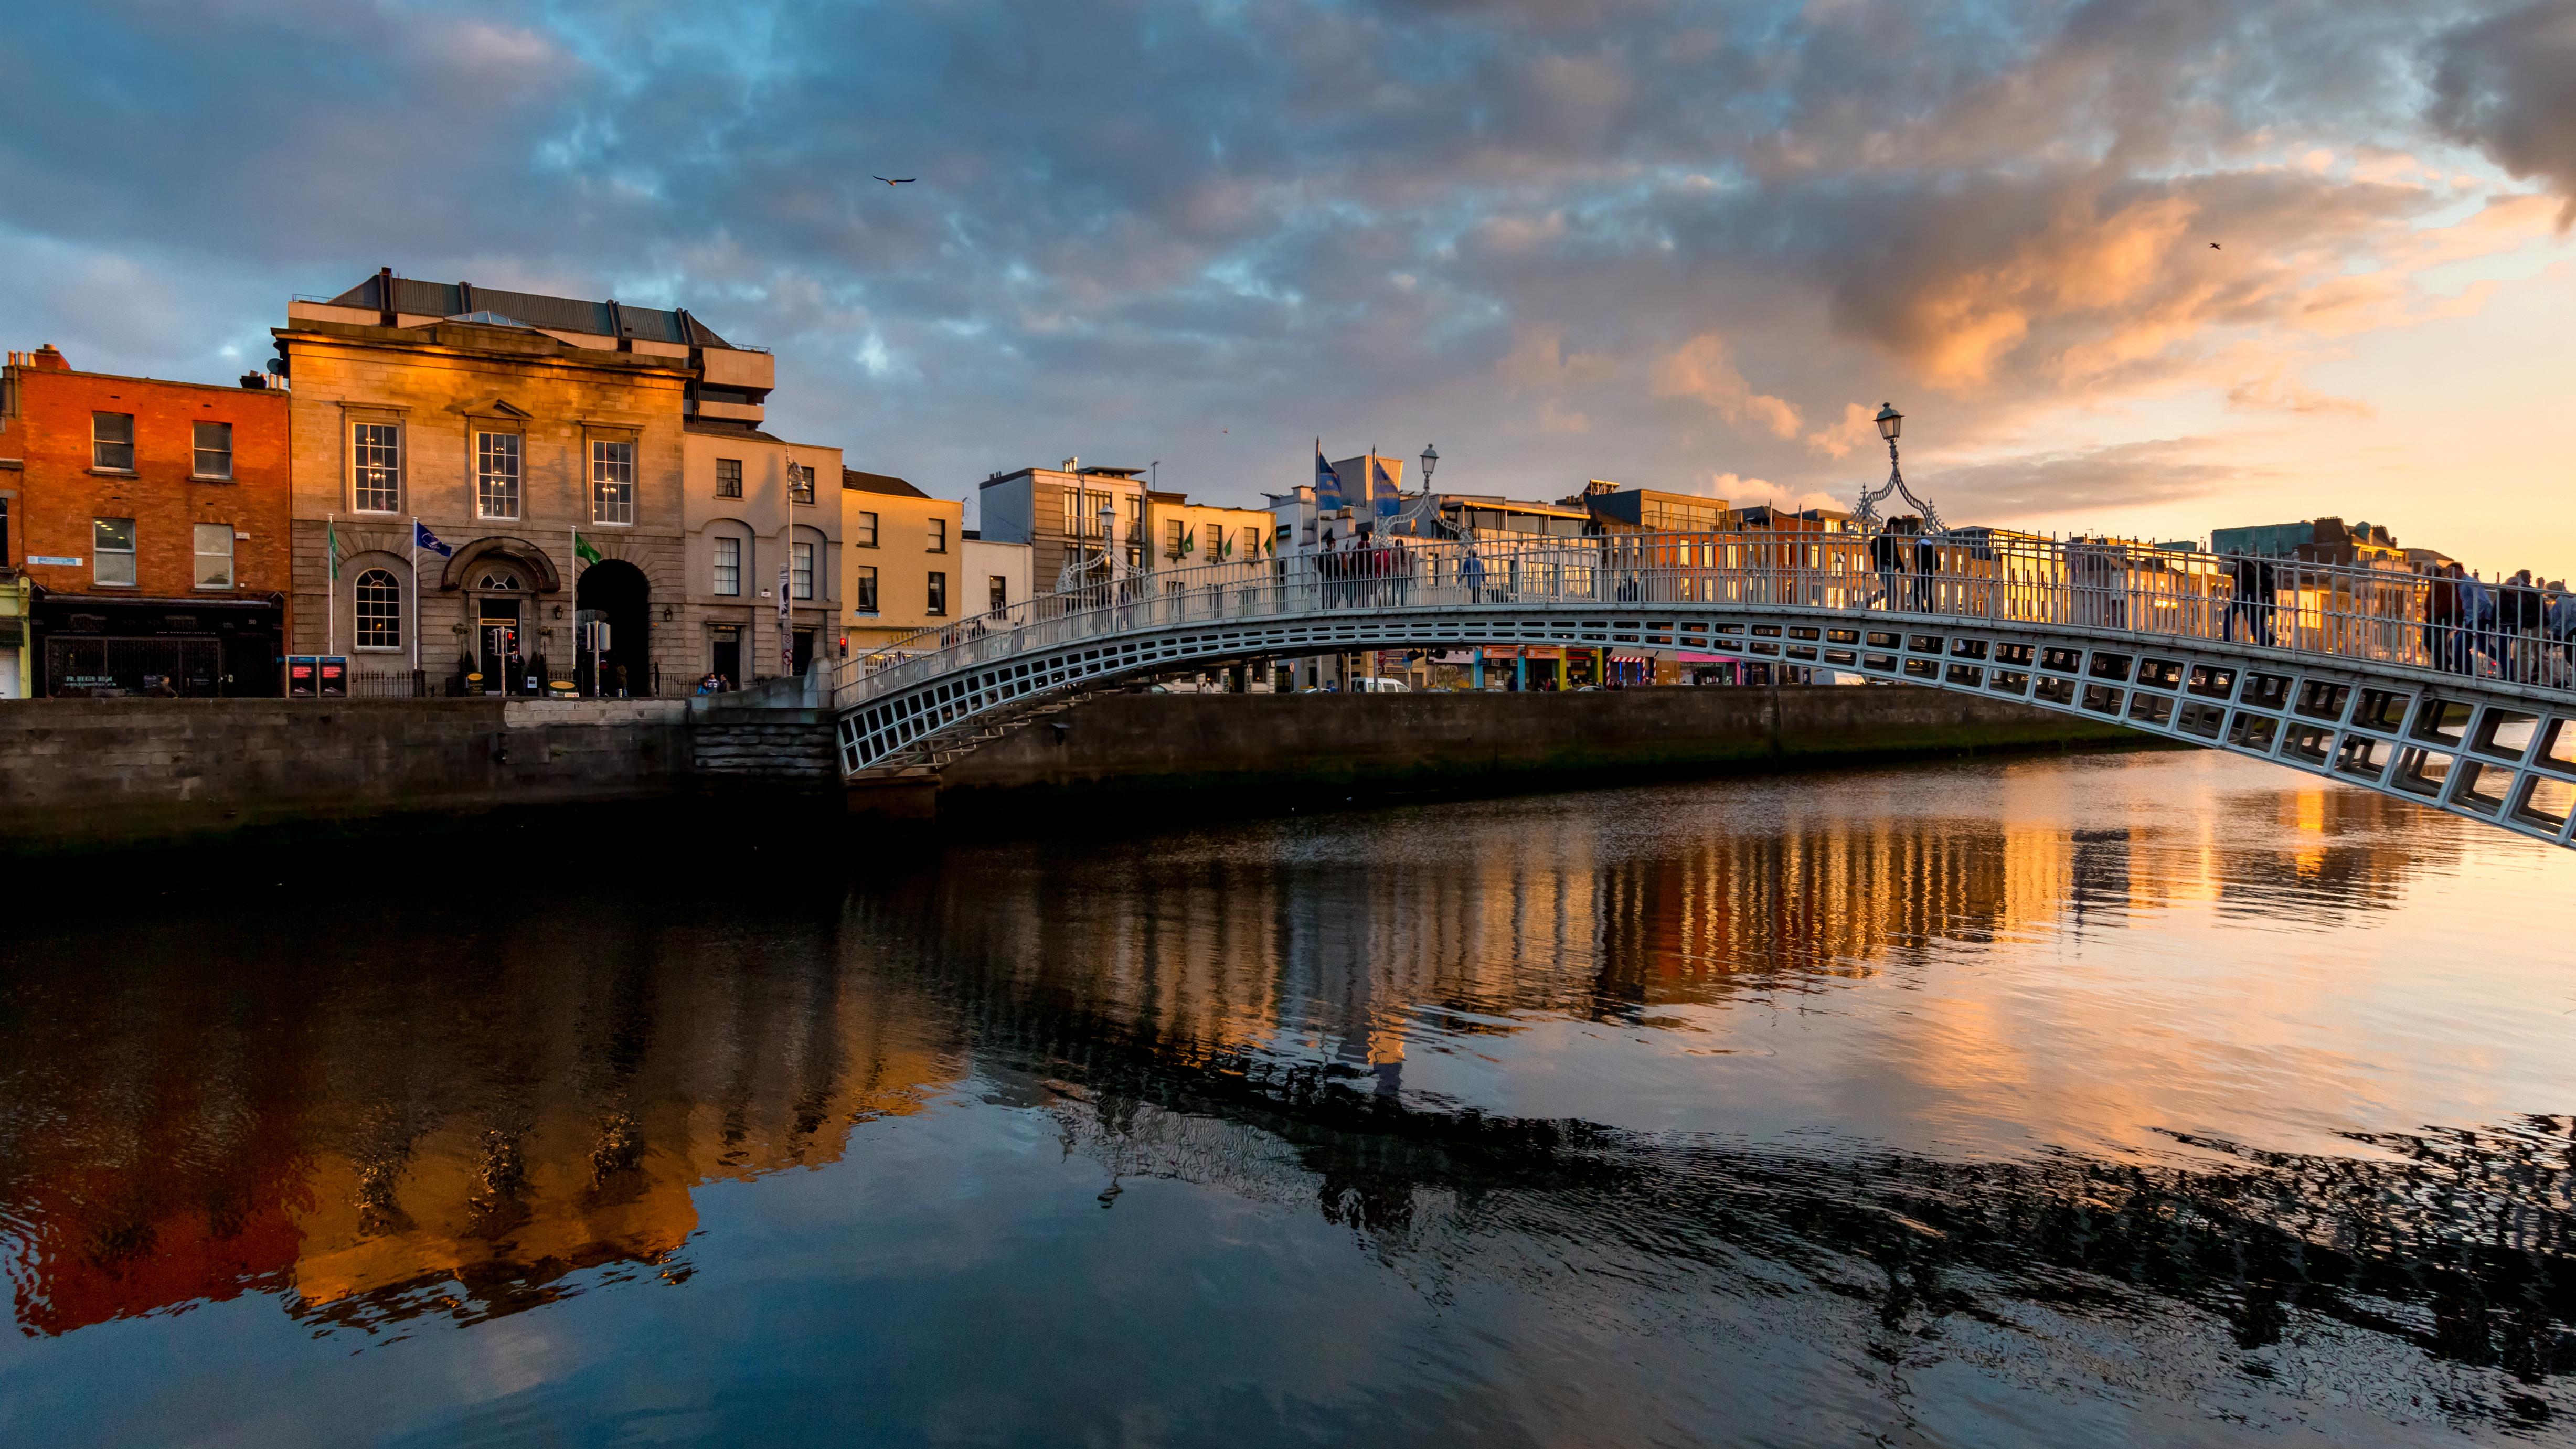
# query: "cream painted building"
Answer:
x=756 y=505
x=998 y=574
x=905 y=566
x=506 y=423
x=1188 y=534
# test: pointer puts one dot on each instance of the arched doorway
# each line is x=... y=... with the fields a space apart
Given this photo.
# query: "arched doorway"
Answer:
x=615 y=593
x=501 y=609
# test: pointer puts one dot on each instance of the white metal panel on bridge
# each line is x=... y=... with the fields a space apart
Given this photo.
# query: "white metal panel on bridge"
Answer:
x=2353 y=674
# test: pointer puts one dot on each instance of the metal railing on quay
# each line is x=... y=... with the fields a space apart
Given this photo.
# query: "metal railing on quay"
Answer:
x=2495 y=632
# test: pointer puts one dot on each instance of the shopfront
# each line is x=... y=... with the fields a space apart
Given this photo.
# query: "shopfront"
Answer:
x=88 y=645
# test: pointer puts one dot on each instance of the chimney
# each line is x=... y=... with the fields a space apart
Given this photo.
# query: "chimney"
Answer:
x=1071 y=465
x=47 y=359
x=384 y=296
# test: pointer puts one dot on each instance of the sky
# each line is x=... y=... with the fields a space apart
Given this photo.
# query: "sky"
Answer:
x=1688 y=246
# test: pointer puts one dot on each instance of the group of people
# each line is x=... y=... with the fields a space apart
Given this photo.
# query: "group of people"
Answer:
x=1364 y=571
x=2516 y=630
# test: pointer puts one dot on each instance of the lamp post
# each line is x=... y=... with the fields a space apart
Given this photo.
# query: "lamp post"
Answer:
x=1890 y=423
x=1430 y=460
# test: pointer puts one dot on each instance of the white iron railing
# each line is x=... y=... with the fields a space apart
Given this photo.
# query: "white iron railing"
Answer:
x=2495 y=633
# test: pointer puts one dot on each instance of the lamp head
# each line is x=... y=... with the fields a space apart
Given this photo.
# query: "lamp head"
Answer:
x=1890 y=421
x=1430 y=460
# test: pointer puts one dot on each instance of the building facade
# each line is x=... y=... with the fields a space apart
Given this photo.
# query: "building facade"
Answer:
x=1057 y=512
x=149 y=521
x=760 y=519
x=906 y=568
x=541 y=443
x=997 y=574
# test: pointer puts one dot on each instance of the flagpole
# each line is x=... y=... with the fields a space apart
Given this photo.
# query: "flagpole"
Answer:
x=575 y=564
x=415 y=593
x=330 y=583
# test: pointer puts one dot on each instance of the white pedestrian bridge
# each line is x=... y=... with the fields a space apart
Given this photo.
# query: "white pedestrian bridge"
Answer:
x=2457 y=697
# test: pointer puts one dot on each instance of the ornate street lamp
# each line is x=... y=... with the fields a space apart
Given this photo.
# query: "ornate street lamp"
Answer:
x=1890 y=423
x=1430 y=460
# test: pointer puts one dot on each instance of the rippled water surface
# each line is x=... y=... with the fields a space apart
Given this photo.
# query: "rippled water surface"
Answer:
x=2158 y=1098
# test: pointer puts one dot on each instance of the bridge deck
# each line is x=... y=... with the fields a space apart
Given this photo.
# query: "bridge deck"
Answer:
x=2390 y=681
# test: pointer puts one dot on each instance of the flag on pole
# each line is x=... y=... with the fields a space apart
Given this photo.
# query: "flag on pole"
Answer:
x=582 y=550
x=1382 y=487
x=421 y=537
x=1328 y=484
x=331 y=537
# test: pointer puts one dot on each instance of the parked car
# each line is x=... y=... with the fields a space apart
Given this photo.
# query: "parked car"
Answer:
x=1379 y=684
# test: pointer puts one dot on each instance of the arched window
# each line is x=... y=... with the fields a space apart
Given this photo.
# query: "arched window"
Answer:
x=379 y=610
x=499 y=579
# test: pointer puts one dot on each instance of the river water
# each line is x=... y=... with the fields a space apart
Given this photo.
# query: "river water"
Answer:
x=2150 y=1098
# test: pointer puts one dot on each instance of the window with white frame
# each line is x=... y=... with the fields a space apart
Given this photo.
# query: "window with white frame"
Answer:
x=729 y=566
x=214 y=450
x=498 y=464
x=111 y=546
x=939 y=535
x=612 y=482
x=375 y=453
x=938 y=600
x=997 y=590
x=728 y=477
x=800 y=483
x=379 y=610
x=111 y=441
x=214 y=555
x=801 y=573
x=863 y=589
x=863 y=530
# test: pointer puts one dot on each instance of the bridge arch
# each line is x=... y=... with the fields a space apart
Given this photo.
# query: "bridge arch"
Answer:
x=2352 y=689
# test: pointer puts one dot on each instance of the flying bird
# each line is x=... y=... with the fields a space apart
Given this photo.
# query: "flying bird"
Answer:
x=893 y=180
x=2213 y=246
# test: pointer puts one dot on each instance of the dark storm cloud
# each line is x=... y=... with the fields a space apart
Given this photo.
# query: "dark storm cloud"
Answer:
x=1142 y=222
x=2508 y=85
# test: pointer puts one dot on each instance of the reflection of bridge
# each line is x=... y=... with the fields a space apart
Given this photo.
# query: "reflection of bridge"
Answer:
x=2363 y=675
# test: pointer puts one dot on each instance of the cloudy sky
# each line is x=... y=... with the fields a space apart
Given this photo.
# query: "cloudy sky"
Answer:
x=1685 y=245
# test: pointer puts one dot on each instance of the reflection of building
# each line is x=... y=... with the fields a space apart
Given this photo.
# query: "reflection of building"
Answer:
x=461 y=1148
x=506 y=423
x=743 y=488
x=907 y=562
x=150 y=518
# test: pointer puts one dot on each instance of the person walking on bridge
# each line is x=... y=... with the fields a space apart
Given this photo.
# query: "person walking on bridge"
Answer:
x=2442 y=618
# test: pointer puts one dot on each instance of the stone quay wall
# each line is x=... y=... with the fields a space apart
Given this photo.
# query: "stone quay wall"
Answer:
x=78 y=774
x=1321 y=744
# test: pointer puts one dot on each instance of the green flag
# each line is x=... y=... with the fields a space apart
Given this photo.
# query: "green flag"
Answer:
x=331 y=538
x=582 y=550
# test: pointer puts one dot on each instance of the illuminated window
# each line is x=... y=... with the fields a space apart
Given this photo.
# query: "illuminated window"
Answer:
x=112 y=552
x=375 y=451
x=612 y=482
x=496 y=474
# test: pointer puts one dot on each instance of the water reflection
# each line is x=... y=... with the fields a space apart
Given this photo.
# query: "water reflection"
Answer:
x=2096 y=1078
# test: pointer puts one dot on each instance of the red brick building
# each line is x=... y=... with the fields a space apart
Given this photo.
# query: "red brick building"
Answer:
x=152 y=518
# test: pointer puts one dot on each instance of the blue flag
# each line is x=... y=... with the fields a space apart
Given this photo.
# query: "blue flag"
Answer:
x=421 y=537
x=1382 y=488
x=1328 y=484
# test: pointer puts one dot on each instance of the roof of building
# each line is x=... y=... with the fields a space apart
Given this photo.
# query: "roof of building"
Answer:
x=610 y=318
x=857 y=481
x=725 y=428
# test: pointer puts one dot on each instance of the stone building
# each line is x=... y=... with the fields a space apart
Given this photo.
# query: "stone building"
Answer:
x=150 y=521
x=543 y=440
x=755 y=511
